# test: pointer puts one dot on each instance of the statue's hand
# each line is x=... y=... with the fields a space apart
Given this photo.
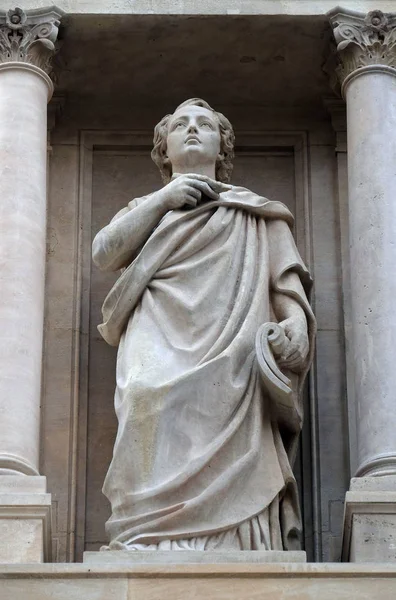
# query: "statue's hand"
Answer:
x=189 y=189
x=296 y=350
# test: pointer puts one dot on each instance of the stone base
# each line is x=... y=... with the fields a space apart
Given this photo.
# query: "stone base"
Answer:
x=181 y=557
x=209 y=582
x=25 y=519
x=370 y=520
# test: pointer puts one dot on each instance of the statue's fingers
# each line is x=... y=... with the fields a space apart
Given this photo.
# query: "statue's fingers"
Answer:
x=194 y=192
x=296 y=365
x=294 y=354
x=222 y=187
x=199 y=177
x=191 y=177
x=206 y=189
x=290 y=349
x=303 y=349
x=291 y=363
x=217 y=186
x=190 y=200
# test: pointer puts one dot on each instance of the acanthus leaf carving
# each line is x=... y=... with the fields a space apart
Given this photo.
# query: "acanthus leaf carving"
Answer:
x=29 y=36
x=363 y=40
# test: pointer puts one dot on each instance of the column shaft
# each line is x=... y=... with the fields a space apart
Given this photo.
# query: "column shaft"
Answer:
x=23 y=112
x=27 y=43
x=365 y=63
x=371 y=112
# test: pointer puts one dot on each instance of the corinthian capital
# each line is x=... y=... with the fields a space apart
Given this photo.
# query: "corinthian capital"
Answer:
x=363 y=40
x=29 y=36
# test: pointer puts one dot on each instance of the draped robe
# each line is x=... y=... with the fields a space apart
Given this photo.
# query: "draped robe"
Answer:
x=199 y=461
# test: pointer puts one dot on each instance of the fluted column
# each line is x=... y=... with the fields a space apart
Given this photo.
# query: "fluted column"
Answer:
x=366 y=54
x=26 y=47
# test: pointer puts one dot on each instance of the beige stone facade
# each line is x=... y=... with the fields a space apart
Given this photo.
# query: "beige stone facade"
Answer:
x=273 y=68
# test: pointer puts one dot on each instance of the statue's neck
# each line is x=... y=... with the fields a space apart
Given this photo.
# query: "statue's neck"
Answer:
x=207 y=170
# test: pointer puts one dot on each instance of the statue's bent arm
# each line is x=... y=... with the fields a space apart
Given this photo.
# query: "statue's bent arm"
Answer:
x=294 y=322
x=284 y=306
x=116 y=244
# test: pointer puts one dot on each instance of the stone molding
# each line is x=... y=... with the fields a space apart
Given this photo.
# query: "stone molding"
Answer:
x=366 y=513
x=9 y=463
x=383 y=464
x=29 y=37
x=25 y=519
x=186 y=557
x=30 y=507
x=326 y=581
x=362 y=41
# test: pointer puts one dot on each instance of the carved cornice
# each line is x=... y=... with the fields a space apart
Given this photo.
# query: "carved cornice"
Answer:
x=29 y=36
x=362 y=41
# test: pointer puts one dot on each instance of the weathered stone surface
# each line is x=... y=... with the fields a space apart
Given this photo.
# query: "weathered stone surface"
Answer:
x=367 y=49
x=29 y=37
x=187 y=466
x=370 y=520
x=266 y=169
x=25 y=520
x=363 y=40
x=26 y=45
x=164 y=558
x=223 y=7
x=366 y=46
x=234 y=582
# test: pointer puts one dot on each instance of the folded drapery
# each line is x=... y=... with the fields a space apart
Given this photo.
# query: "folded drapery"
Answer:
x=199 y=450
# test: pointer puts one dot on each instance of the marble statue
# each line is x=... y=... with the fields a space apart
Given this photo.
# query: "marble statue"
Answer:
x=215 y=336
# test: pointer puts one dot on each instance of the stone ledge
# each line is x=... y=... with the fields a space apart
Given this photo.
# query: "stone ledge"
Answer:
x=161 y=557
x=208 y=7
x=22 y=484
x=211 y=582
x=265 y=571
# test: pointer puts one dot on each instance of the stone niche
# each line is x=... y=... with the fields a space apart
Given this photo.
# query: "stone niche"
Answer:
x=265 y=74
x=270 y=170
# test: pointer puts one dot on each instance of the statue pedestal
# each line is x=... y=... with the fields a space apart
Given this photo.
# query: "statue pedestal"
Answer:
x=25 y=519
x=370 y=520
x=182 y=557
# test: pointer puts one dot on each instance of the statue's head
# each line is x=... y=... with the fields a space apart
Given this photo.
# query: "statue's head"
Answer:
x=174 y=140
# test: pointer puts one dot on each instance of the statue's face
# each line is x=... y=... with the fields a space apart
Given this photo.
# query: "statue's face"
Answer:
x=193 y=137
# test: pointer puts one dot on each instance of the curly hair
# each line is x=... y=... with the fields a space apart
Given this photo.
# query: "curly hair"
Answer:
x=227 y=139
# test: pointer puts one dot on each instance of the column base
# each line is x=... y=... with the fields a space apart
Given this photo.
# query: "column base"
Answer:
x=370 y=520
x=382 y=465
x=25 y=520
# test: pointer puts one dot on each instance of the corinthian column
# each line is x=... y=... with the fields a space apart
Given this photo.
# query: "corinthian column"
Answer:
x=26 y=47
x=366 y=54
